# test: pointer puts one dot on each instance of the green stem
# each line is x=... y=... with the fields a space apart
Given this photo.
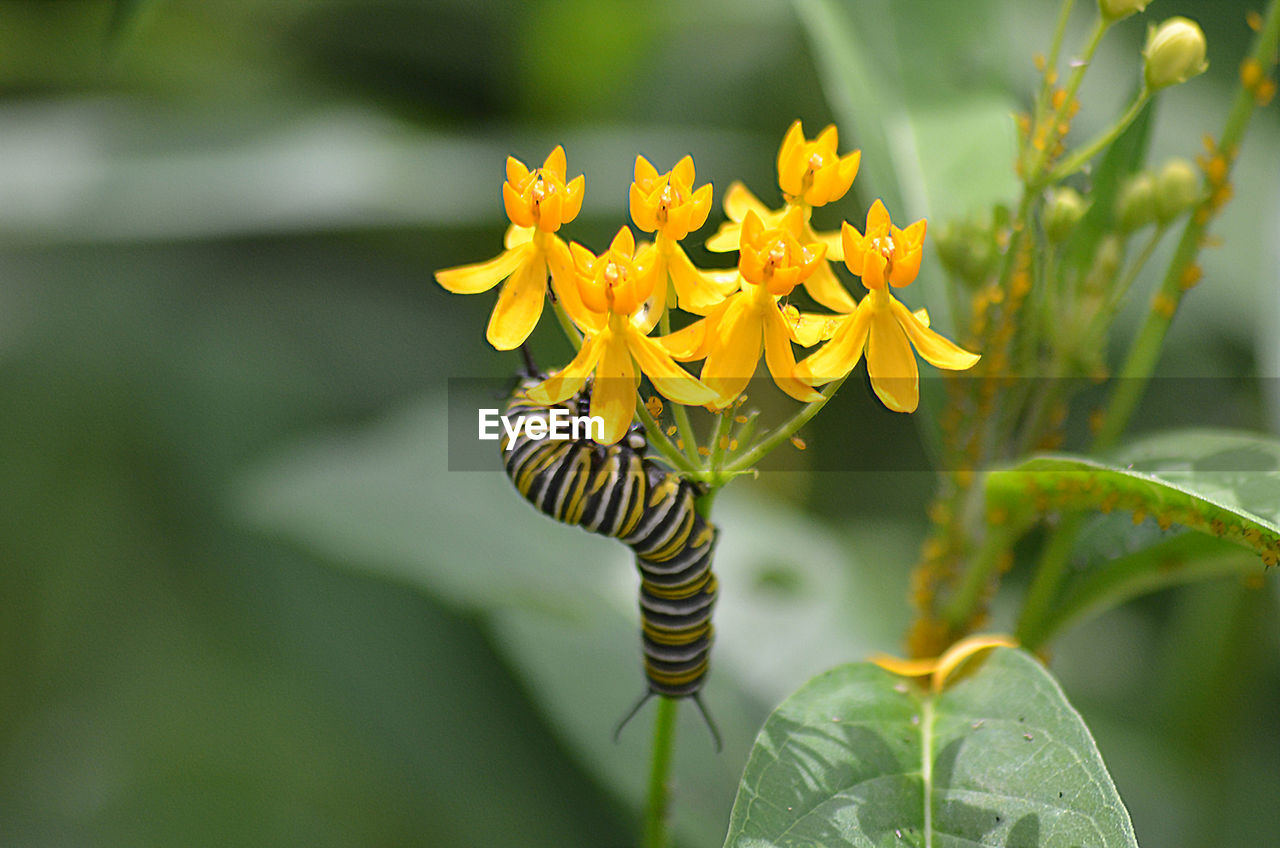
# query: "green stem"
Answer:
x=566 y=324
x=719 y=440
x=1051 y=62
x=659 y=798
x=977 y=577
x=1145 y=350
x=684 y=427
x=1042 y=595
x=659 y=440
x=1120 y=289
x=1069 y=94
x=762 y=448
x=1076 y=160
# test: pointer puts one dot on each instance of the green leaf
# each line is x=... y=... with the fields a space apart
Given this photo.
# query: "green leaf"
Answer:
x=1222 y=483
x=859 y=757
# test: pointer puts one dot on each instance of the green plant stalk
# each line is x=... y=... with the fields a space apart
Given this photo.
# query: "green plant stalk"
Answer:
x=762 y=448
x=659 y=794
x=1145 y=350
x=1032 y=179
x=1051 y=62
x=659 y=440
x=978 y=576
x=566 y=324
x=1040 y=599
x=1077 y=159
x=720 y=438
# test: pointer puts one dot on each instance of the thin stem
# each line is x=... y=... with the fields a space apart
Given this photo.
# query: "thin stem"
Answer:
x=762 y=448
x=659 y=440
x=1076 y=160
x=659 y=797
x=1069 y=94
x=720 y=439
x=1043 y=593
x=977 y=577
x=1051 y=62
x=1119 y=290
x=684 y=427
x=566 y=324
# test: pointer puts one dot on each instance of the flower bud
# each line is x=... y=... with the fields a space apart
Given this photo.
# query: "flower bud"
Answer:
x=1174 y=53
x=1062 y=212
x=1114 y=10
x=1177 y=188
x=1106 y=264
x=1136 y=206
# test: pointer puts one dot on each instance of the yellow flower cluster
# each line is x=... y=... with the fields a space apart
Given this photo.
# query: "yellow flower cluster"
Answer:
x=617 y=298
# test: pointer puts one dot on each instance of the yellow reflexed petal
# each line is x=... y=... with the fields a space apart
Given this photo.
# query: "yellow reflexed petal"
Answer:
x=613 y=395
x=516 y=236
x=568 y=381
x=482 y=276
x=671 y=381
x=833 y=241
x=690 y=343
x=935 y=349
x=738 y=201
x=519 y=304
x=575 y=191
x=696 y=291
x=782 y=360
x=922 y=315
x=809 y=328
x=726 y=238
x=891 y=364
x=823 y=287
x=733 y=350
x=837 y=357
x=556 y=163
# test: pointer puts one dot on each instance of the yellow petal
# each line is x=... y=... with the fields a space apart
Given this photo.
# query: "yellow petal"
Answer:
x=823 y=287
x=517 y=171
x=671 y=381
x=564 y=282
x=687 y=344
x=726 y=238
x=891 y=364
x=809 y=328
x=517 y=209
x=733 y=350
x=935 y=349
x=574 y=192
x=516 y=236
x=482 y=276
x=683 y=171
x=738 y=201
x=878 y=221
x=644 y=170
x=792 y=142
x=782 y=360
x=613 y=395
x=556 y=163
x=833 y=241
x=696 y=291
x=568 y=381
x=519 y=305
x=837 y=357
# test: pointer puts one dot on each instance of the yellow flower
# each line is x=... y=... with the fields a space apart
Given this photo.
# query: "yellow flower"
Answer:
x=540 y=198
x=882 y=326
x=668 y=205
x=809 y=174
x=613 y=289
x=812 y=171
x=537 y=202
x=771 y=263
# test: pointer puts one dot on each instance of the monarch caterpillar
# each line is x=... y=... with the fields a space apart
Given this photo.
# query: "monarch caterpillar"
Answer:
x=616 y=490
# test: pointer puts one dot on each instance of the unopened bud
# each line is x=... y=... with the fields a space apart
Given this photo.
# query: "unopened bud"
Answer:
x=1106 y=264
x=1062 y=212
x=1177 y=188
x=1136 y=206
x=1174 y=53
x=1114 y=10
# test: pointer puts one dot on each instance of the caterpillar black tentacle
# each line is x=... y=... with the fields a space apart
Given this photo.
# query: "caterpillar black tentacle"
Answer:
x=618 y=491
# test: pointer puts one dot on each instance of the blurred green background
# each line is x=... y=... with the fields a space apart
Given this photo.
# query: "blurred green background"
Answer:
x=242 y=602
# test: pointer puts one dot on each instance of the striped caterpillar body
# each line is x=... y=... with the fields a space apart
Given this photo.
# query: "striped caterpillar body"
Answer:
x=616 y=490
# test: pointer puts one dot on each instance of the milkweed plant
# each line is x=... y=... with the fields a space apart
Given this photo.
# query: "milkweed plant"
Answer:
x=967 y=738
